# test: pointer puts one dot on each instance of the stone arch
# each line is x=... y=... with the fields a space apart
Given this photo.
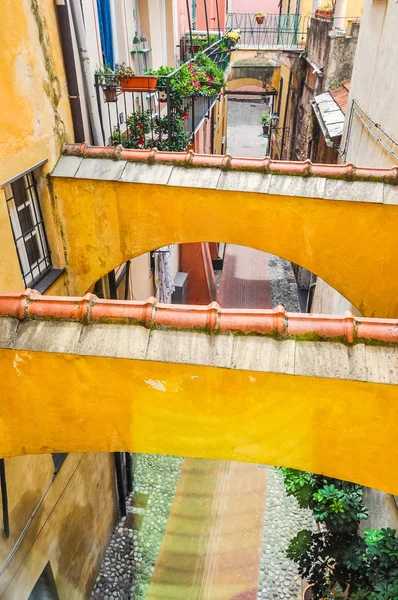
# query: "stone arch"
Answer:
x=106 y=223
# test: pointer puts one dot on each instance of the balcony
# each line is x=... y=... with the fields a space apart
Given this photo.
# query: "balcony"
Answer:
x=281 y=32
x=162 y=109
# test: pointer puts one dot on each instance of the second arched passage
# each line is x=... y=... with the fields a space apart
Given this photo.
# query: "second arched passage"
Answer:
x=105 y=223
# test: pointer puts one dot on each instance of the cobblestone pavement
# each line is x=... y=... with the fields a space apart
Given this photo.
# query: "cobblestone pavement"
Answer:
x=130 y=558
x=245 y=134
x=283 y=518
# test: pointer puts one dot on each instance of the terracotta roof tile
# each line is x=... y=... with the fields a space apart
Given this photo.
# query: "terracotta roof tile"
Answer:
x=227 y=163
x=211 y=318
x=340 y=95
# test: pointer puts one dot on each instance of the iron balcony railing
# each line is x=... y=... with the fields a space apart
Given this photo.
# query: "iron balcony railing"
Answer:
x=152 y=118
x=283 y=32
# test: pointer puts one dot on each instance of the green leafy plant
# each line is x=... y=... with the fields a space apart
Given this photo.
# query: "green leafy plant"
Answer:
x=107 y=77
x=138 y=126
x=335 y=556
x=179 y=139
x=330 y=558
x=380 y=564
x=259 y=14
x=199 y=77
x=265 y=118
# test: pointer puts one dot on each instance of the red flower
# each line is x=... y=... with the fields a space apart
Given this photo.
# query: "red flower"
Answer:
x=185 y=116
x=209 y=79
x=139 y=125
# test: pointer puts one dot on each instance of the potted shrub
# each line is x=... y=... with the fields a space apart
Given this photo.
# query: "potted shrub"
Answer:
x=259 y=17
x=109 y=82
x=130 y=82
x=265 y=121
x=330 y=558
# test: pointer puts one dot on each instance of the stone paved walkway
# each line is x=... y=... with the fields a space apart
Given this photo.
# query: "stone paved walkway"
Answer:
x=283 y=518
x=130 y=558
x=245 y=279
x=211 y=547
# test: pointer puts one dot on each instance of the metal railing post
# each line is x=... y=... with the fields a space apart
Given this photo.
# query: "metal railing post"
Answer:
x=207 y=23
x=168 y=90
x=190 y=27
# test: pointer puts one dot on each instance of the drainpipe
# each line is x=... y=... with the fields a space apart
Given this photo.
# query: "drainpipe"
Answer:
x=4 y=498
x=89 y=90
x=285 y=115
x=70 y=69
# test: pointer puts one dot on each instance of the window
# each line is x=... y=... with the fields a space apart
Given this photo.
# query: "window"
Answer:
x=28 y=228
x=105 y=27
x=45 y=587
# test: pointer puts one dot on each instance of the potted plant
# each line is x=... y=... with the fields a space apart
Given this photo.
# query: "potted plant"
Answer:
x=232 y=37
x=109 y=82
x=161 y=76
x=259 y=17
x=325 y=13
x=329 y=558
x=307 y=592
x=265 y=121
x=130 y=82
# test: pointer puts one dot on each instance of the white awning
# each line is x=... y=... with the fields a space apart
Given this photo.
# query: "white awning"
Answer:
x=330 y=116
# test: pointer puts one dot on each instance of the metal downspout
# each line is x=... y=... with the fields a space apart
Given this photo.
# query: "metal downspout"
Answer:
x=285 y=115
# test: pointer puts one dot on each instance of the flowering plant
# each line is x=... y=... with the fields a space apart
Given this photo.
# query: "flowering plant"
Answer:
x=233 y=35
x=124 y=72
x=259 y=14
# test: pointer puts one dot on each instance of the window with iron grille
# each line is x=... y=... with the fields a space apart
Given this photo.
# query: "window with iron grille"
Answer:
x=28 y=228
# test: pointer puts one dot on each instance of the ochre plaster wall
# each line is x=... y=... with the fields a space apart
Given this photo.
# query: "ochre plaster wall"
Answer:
x=35 y=116
x=34 y=122
x=106 y=223
x=71 y=528
x=190 y=410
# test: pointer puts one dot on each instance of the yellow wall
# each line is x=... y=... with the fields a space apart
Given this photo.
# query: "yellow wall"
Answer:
x=35 y=115
x=35 y=120
x=220 y=116
x=188 y=410
x=106 y=223
x=71 y=528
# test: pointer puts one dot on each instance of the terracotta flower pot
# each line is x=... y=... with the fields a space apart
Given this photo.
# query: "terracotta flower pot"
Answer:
x=110 y=94
x=265 y=129
x=139 y=83
x=307 y=593
x=323 y=15
x=260 y=20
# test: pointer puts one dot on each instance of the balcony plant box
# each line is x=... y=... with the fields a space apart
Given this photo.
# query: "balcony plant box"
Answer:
x=138 y=83
x=324 y=14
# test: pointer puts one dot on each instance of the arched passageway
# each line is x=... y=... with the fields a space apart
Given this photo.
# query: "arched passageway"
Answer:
x=118 y=209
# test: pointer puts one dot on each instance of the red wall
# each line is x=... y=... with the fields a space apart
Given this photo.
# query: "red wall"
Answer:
x=195 y=259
